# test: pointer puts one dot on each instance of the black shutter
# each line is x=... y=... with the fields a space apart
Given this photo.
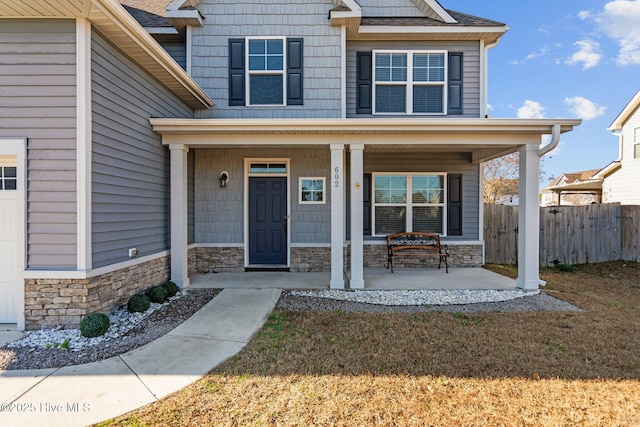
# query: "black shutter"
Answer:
x=236 y=72
x=455 y=83
x=454 y=205
x=294 y=71
x=366 y=204
x=365 y=83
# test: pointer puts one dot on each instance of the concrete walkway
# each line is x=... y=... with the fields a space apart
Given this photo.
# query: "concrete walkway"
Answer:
x=87 y=394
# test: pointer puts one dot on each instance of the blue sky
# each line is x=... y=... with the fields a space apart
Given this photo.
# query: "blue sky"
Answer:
x=564 y=59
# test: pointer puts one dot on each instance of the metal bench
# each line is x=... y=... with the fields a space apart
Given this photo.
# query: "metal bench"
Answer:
x=416 y=244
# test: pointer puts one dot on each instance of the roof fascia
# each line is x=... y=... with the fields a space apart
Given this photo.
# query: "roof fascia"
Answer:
x=437 y=8
x=626 y=112
x=410 y=29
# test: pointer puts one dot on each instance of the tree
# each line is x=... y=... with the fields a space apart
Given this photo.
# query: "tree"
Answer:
x=501 y=177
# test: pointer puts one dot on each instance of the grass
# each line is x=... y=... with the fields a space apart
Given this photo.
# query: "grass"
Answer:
x=344 y=369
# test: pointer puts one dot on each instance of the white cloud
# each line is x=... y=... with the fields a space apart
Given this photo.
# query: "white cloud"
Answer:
x=619 y=21
x=588 y=54
x=533 y=55
x=584 y=14
x=584 y=108
x=531 y=110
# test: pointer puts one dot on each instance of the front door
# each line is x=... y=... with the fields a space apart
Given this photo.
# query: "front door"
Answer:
x=268 y=221
x=8 y=243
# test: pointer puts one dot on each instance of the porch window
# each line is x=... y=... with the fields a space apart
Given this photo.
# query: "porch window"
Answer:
x=409 y=202
x=409 y=82
x=312 y=191
x=636 y=143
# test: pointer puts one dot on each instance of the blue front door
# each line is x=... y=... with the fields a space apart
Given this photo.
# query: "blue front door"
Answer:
x=268 y=220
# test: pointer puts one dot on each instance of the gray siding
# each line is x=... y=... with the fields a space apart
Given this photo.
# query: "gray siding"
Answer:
x=389 y=8
x=219 y=212
x=130 y=165
x=434 y=162
x=226 y=19
x=471 y=69
x=178 y=51
x=38 y=101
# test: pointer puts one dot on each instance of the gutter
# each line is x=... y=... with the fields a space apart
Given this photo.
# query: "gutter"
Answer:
x=555 y=140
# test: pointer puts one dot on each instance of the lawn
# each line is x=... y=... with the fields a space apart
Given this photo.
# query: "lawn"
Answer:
x=488 y=369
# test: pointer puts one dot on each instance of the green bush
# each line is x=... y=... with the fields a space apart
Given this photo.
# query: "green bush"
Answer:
x=138 y=303
x=566 y=268
x=94 y=325
x=157 y=294
x=171 y=289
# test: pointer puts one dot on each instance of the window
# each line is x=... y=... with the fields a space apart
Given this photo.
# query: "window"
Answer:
x=268 y=168
x=409 y=202
x=409 y=82
x=265 y=71
x=312 y=191
x=8 y=178
x=636 y=143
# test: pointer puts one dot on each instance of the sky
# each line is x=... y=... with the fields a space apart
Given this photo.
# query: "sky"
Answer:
x=564 y=59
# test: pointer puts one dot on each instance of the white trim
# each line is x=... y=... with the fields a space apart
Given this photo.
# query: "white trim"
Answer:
x=83 y=144
x=442 y=13
x=343 y=71
x=189 y=48
x=18 y=147
x=247 y=174
x=624 y=115
x=356 y=203
x=310 y=245
x=179 y=214
x=337 y=216
x=216 y=245
x=324 y=190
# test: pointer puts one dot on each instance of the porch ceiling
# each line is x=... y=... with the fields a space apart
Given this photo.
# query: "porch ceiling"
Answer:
x=482 y=138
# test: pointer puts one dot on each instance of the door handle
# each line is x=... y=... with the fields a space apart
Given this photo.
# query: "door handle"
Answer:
x=286 y=222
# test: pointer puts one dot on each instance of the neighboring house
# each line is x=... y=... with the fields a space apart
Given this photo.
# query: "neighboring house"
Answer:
x=572 y=189
x=621 y=178
x=334 y=124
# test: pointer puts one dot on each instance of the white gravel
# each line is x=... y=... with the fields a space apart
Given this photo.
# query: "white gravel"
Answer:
x=419 y=297
x=122 y=321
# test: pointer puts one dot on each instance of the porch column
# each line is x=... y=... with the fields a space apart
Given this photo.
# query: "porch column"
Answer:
x=357 y=263
x=179 y=268
x=529 y=219
x=337 y=216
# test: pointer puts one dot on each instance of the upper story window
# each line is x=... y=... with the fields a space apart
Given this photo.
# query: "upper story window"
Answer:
x=265 y=71
x=636 y=143
x=410 y=82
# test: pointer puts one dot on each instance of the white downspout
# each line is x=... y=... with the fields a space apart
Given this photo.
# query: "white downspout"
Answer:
x=555 y=140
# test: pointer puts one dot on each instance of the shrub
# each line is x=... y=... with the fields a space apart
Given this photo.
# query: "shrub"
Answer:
x=94 y=325
x=138 y=303
x=566 y=268
x=171 y=289
x=157 y=294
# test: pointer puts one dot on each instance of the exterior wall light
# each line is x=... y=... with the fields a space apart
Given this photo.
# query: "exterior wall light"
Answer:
x=224 y=178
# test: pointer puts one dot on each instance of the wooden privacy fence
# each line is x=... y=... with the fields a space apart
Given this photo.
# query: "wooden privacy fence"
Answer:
x=568 y=234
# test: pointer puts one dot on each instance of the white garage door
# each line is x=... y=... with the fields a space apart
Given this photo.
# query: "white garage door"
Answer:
x=8 y=241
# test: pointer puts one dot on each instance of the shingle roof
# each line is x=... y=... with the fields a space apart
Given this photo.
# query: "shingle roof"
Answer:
x=462 y=18
x=148 y=13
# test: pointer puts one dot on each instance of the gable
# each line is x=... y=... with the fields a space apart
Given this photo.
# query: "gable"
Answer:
x=395 y=8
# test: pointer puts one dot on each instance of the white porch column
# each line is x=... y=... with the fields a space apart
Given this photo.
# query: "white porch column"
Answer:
x=337 y=216
x=529 y=218
x=179 y=268
x=357 y=258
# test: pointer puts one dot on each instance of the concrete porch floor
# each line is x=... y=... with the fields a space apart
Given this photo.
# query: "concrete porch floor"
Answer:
x=374 y=278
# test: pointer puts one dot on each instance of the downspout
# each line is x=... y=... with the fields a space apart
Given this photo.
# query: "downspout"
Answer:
x=555 y=140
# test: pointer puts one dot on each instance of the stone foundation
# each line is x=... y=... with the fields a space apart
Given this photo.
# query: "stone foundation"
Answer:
x=217 y=260
x=375 y=256
x=64 y=302
x=310 y=259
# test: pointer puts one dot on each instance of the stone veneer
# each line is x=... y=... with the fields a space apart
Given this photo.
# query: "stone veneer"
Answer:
x=217 y=259
x=310 y=259
x=64 y=302
x=375 y=256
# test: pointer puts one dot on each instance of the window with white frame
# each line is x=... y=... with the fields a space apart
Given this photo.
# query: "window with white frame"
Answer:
x=265 y=73
x=312 y=190
x=8 y=177
x=410 y=82
x=409 y=202
x=636 y=143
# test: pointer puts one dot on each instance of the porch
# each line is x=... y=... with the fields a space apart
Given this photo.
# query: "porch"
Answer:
x=375 y=279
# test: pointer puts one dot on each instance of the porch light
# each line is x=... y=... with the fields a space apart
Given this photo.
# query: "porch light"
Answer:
x=224 y=177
